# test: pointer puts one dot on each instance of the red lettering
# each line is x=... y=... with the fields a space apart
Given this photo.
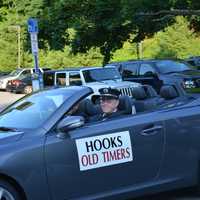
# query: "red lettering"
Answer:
x=123 y=153
x=89 y=159
x=84 y=160
x=105 y=156
x=95 y=158
x=118 y=154
x=112 y=155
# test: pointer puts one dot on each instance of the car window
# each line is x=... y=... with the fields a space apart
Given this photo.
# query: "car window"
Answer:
x=129 y=70
x=170 y=66
x=146 y=69
x=74 y=78
x=101 y=74
x=26 y=72
x=38 y=69
x=48 y=79
x=61 y=79
x=15 y=72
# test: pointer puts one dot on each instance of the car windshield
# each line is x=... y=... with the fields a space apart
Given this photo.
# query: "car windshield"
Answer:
x=170 y=66
x=15 y=72
x=32 y=111
x=101 y=74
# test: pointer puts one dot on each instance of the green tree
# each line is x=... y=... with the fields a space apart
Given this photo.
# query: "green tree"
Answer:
x=177 y=41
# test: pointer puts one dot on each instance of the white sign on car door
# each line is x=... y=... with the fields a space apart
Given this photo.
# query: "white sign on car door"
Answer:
x=104 y=150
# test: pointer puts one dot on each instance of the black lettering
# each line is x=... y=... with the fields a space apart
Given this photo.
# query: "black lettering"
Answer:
x=113 y=142
x=106 y=143
x=90 y=145
x=97 y=145
x=120 y=141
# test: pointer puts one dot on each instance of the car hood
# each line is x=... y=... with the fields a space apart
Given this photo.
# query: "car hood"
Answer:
x=113 y=83
x=10 y=136
x=7 y=78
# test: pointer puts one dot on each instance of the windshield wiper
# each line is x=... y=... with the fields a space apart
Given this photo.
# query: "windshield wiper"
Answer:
x=3 y=128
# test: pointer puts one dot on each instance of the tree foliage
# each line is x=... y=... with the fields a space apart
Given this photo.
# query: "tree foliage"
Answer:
x=91 y=32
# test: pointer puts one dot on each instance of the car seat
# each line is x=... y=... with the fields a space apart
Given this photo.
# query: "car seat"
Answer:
x=126 y=105
x=142 y=101
x=168 y=92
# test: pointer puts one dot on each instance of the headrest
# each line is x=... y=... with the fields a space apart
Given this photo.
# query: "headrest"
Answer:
x=125 y=104
x=150 y=91
x=86 y=106
x=139 y=93
x=168 y=92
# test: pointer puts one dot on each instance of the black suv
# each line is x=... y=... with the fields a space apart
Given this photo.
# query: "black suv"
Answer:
x=194 y=61
x=160 y=72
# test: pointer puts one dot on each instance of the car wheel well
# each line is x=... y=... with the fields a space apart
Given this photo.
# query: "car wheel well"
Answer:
x=15 y=184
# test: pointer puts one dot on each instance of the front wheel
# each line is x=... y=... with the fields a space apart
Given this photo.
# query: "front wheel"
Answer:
x=27 y=90
x=7 y=192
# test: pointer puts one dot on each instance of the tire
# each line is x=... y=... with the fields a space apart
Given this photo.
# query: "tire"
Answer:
x=28 y=89
x=8 y=192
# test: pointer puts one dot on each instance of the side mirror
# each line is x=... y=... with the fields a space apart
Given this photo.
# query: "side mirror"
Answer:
x=70 y=123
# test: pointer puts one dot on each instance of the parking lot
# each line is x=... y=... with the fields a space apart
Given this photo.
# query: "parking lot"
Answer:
x=8 y=98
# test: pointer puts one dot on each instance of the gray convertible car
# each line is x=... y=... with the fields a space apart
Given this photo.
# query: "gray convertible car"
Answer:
x=47 y=153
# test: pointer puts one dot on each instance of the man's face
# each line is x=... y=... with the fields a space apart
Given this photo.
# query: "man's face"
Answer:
x=109 y=105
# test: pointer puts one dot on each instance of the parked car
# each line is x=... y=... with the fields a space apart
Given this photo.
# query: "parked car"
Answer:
x=93 y=77
x=16 y=74
x=45 y=149
x=21 y=85
x=194 y=61
x=160 y=72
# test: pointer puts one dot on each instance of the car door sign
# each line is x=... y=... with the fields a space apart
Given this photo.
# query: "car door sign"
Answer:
x=104 y=150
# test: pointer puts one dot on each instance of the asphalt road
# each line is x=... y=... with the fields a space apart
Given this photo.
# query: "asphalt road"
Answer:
x=184 y=194
x=7 y=98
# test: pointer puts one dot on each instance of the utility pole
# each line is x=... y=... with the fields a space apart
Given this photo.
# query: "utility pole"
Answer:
x=139 y=50
x=18 y=28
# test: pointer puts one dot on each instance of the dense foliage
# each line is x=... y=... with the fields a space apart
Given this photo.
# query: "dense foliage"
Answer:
x=92 y=32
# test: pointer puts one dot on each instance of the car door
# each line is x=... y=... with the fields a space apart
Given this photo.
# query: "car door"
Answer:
x=105 y=159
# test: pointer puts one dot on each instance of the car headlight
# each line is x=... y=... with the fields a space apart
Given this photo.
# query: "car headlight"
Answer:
x=188 y=84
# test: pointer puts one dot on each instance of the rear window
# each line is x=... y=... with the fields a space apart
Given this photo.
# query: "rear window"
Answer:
x=170 y=66
x=48 y=79
x=129 y=70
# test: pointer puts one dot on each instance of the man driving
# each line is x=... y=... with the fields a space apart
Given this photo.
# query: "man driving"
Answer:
x=109 y=101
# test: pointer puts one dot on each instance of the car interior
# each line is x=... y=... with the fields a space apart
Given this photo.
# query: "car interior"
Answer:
x=145 y=98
